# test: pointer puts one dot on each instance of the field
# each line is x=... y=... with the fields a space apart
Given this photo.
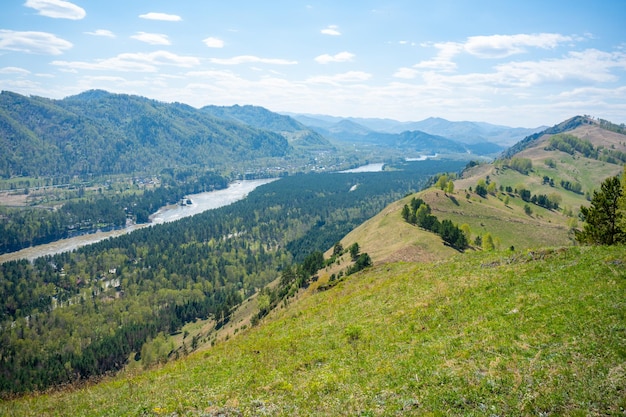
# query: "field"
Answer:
x=516 y=334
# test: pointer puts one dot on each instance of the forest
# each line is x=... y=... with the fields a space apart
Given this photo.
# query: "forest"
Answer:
x=44 y=137
x=73 y=316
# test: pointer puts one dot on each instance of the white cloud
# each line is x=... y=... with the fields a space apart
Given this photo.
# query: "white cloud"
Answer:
x=33 y=42
x=502 y=46
x=406 y=73
x=152 y=38
x=161 y=16
x=212 y=42
x=590 y=65
x=340 y=57
x=332 y=30
x=221 y=75
x=598 y=93
x=101 y=32
x=139 y=62
x=249 y=59
x=337 y=79
x=488 y=47
x=443 y=60
x=58 y=9
x=14 y=70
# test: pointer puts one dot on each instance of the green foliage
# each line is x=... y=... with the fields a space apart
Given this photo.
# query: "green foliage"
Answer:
x=419 y=213
x=442 y=182
x=337 y=249
x=487 y=242
x=521 y=165
x=354 y=251
x=450 y=187
x=528 y=210
x=574 y=186
x=571 y=144
x=565 y=126
x=98 y=133
x=361 y=262
x=604 y=219
x=350 y=209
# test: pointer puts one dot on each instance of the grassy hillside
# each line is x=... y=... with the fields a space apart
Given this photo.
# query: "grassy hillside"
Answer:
x=387 y=237
x=501 y=213
x=529 y=333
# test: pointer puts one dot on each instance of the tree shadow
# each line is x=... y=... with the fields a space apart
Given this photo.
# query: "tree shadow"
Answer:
x=454 y=200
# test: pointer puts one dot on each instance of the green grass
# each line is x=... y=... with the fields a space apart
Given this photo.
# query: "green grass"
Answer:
x=516 y=334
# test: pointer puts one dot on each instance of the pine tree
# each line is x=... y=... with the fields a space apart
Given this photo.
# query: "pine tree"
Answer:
x=604 y=219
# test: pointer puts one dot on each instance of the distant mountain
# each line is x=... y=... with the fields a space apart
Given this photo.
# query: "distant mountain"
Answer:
x=396 y=135
x=465 y=132
x=97 y=132
x=473 y=132
x=298 y=135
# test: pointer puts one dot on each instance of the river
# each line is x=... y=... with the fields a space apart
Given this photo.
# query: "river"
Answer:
x=364 y=168
x=199 y=202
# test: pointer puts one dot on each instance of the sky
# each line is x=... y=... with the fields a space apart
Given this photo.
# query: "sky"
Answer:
x=522 y=63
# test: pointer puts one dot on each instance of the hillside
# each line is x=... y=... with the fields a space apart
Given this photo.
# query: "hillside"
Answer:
x=571 y=172
x=498 y=333
x=102 y=133
x=257 y=117
x=510 y=219
x=388 y=238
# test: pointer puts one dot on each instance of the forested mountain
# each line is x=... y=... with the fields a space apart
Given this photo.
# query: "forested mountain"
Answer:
x=295 y=132
x=465 y=132
x=409 y=143
x=102 y=133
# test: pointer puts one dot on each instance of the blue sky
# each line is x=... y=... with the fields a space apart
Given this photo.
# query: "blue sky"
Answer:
x=516 y=63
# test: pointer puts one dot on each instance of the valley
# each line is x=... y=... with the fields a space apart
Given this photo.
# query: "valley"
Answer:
x=343 y=273
x=200 y=202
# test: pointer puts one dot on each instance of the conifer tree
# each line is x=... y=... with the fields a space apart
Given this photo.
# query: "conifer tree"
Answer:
x=604 y=219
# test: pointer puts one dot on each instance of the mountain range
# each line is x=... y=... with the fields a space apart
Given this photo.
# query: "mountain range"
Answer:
x=465 y=132
x=97 y=132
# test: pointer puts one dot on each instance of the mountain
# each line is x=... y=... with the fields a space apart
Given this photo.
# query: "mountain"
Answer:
x=473 y=132
x=465 y=132
x=97 y=132
x=476 y=138
x=601 y=133
x=257 y=117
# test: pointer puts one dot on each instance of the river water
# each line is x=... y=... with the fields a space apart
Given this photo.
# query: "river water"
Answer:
x=364 y=168
x=199 y=202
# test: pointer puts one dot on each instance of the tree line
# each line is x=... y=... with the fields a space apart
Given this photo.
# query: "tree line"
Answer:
x=419 y=213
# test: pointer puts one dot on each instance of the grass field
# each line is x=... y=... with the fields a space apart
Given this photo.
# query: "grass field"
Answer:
x=516 y=334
